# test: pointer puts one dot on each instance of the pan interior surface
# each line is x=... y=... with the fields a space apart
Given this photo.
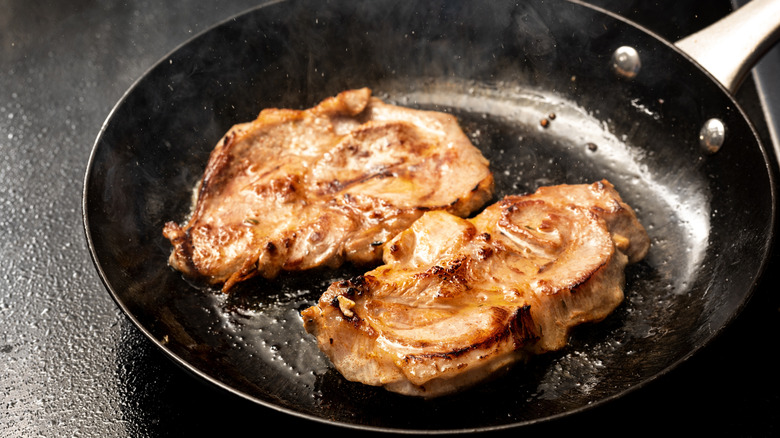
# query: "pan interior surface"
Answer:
x=501 y=68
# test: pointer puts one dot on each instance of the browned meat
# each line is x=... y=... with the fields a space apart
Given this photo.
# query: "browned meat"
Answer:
x=294 y=190
x=459 y=299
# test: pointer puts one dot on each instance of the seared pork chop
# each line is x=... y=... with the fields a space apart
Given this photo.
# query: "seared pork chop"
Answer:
x=459 y=299
x=298 y=189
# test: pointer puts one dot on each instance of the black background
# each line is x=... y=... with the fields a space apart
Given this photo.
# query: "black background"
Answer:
x=71 y=364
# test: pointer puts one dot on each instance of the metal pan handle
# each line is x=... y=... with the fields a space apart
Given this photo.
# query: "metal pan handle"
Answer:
x=729 y=48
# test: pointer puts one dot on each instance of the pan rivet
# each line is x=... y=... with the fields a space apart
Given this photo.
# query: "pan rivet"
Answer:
x=712 y=135
x=625 y=62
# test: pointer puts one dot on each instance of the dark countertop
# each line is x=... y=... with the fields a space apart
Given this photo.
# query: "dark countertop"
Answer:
x=71 y=364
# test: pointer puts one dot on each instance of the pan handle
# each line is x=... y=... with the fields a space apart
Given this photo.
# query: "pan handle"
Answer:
x=729 y=48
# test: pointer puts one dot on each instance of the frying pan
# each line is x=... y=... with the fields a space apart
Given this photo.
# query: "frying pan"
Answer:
x=501 y=67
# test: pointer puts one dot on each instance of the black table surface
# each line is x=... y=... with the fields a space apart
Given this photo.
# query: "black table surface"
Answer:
x=72 y=364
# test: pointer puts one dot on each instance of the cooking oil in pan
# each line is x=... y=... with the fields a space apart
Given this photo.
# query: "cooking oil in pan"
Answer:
x=261 y=322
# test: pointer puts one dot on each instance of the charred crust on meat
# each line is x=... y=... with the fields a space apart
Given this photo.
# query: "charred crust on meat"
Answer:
x=359 y=281
x=270 y=248
x=470 y=232
x=437 y=271
x=332 y=186
x=384 y=173
x=451 y=273
x=353 y=287
x=182 y=243
x=523 y=327
x=228 y=138
x=449 y=355
x=484 y=252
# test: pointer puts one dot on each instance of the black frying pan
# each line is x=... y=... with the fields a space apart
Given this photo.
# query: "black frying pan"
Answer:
x=501 y=68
